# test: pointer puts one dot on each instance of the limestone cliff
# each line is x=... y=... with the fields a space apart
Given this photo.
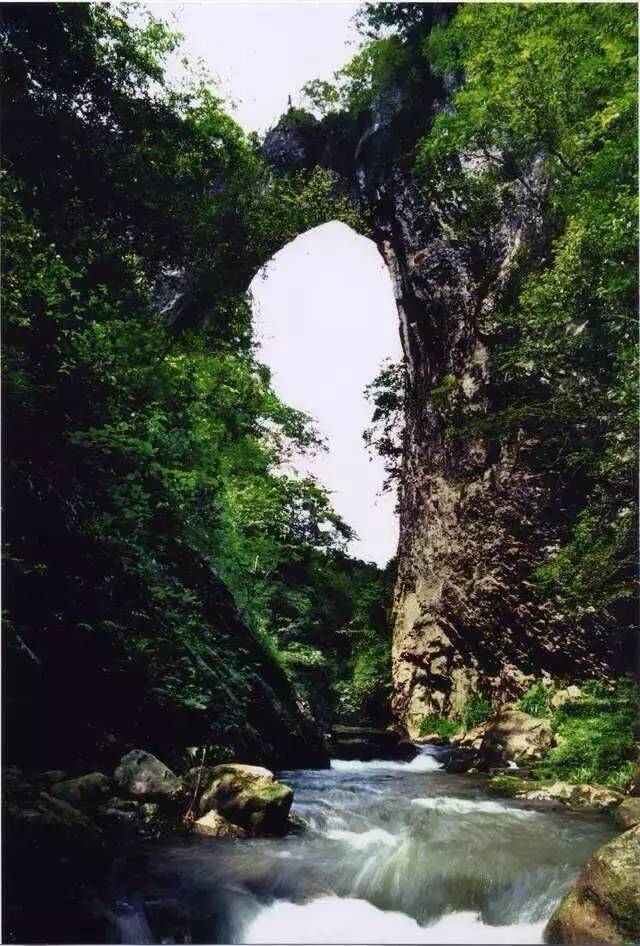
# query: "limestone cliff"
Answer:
x=475 y=516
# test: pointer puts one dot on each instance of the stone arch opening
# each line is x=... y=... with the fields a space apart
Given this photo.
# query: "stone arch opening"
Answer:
x=326 y=320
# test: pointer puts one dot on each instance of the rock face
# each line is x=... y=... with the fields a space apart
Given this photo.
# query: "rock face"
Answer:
x=143 y=776
x=475 y=516
x=603 y=907
x=514 y=736
x=248 y=796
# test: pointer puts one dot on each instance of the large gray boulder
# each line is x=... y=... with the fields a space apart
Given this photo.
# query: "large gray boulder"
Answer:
x=514 y=736
x=603 y=906
x=141 y=775
x=245 y=795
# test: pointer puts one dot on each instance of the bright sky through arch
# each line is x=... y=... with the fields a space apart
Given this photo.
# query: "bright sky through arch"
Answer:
x=326 y=320
x=326 y=311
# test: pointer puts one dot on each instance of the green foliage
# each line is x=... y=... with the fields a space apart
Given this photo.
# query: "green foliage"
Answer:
x=379 y=63
x=536 y=700
x=385 y=435
x=476 y=710
x=444 y=728
x=596 y=736
x=146 y=449
x=548 y=94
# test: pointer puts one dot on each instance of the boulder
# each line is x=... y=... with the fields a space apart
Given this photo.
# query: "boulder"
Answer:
x=514 y=736
x=86 y=792
x=627 y=814
x=508 y=786
x=470 y=738
x=367 y=743
x=560 y=697
x=55 y=817
x=214 y=825
x=603 y=906
x=141 y=775
x=245 y=795
x=576 y=797
x=592 y=797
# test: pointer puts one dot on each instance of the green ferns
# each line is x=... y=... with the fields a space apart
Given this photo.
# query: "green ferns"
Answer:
x=476 y=710
x=595 y=733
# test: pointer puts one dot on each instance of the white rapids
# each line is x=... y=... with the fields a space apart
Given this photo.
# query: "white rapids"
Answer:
x=393 y=852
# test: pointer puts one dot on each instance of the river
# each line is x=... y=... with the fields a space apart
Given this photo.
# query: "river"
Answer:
x=396 y=852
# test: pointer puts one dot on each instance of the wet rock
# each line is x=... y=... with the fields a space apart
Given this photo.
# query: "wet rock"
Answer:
x=296 y=825
x=169 y=920
x=143 y=776
x=367 y=743
x=245 y=795
x=508 y=786
x=214 y=825
x=53 y=852
x=627 y=814
x=575 y=797
x=594 y=797
x=460 y=760
x=86 y=792
x=514 y=736
x=603 y=907
x=53 y=776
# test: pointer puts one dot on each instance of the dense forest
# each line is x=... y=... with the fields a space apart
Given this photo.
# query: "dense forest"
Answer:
x=176 y=600
x=143 y=440
x=144 y=443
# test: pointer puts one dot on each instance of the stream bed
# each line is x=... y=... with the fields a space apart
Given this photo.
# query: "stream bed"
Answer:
x=396 y=852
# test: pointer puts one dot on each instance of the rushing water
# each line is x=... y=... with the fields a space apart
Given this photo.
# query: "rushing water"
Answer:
x=395 y=853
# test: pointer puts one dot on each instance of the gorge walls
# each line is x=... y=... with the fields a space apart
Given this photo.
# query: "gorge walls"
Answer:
x=476 y=515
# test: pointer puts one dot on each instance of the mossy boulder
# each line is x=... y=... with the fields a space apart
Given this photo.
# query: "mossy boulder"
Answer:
x=508 y=786
x=627 y=814
x=575 y=797
x=514 y=736
x=246 y=795
x=603 y=907
x=581 y=796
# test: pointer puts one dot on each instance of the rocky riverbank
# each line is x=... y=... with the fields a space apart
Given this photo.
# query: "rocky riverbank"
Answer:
x=63 y=835
x=603 y=906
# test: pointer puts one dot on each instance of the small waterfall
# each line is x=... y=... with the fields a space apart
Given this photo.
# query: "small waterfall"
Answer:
x=393 y=852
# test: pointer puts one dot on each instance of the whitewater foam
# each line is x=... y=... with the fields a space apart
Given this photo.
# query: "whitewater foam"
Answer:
x=461 y=806
x=347 y=920
x=424 y=762
x=364 y=839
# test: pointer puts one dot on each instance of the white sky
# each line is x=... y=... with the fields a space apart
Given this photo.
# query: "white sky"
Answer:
x=325 y=312
x=262 y=52
x=326 y=319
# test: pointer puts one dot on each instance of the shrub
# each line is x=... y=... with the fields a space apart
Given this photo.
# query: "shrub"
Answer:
x=536 y=700
x=444 y=728
x=595 y=736
x=476 y=710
